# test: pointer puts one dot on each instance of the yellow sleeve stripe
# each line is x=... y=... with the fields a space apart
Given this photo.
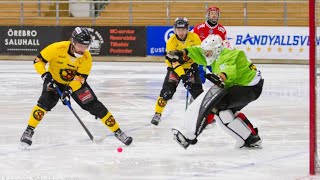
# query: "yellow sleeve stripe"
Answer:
x=168 y=63
x=179 y=70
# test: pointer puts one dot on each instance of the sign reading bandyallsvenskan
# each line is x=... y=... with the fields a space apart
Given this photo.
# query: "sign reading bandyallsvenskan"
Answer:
x=126 y=41
x=290 y=43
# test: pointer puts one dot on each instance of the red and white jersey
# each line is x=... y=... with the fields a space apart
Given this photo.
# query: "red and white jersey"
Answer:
x=204 y=29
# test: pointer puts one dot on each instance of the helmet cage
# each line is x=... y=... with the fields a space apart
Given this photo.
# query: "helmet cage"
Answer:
x=216 y=18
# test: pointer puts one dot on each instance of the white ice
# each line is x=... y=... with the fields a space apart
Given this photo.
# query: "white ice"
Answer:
x=62 y=150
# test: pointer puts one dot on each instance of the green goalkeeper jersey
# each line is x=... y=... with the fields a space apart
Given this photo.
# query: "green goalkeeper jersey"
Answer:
x=234 y=63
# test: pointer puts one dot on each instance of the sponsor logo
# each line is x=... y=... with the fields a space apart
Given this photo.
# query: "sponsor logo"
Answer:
x=38 y=114
x=96 y=42
x=157 y=50
x=21 y=40
x=162 y=102
x=67 y=74
x=85 y=96
x=110 y=122
x=168 y=34
x=272 y=40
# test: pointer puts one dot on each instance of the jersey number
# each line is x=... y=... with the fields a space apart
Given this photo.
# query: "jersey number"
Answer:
x=252 y=67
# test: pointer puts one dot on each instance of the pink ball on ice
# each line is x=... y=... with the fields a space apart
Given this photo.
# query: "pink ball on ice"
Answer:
x=119 y=149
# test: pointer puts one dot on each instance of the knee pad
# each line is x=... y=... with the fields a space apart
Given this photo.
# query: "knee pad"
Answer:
x=95 y=108
x=47 y=101
x=88 y=101
x=226 y=116
x=46 y=106
x=167 y=93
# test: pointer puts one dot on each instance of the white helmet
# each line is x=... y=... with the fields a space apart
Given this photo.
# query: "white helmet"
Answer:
x=211 y=47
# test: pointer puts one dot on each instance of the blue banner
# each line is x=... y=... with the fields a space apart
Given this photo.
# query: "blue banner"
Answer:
x=157 y=37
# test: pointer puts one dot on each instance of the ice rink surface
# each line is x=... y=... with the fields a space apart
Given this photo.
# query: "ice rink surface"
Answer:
x=62 y=150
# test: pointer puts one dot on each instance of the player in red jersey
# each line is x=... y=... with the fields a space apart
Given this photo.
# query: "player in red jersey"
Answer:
x=210 y=26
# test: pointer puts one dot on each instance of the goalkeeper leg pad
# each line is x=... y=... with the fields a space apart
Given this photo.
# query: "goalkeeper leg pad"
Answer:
x=235 y=127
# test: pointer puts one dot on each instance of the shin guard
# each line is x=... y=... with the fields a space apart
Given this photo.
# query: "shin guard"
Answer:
x=110 y=122
x=36 y=116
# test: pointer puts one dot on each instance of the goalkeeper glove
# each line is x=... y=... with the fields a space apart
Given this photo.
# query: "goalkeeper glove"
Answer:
x=215 y=79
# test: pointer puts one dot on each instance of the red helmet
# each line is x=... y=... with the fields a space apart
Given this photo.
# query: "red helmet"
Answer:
x=213 y=17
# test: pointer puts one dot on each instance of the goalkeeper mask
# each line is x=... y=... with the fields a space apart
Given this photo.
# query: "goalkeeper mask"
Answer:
x=211 y=48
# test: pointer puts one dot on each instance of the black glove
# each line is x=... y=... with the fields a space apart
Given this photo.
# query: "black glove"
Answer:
x=48 y=81
x=186 y=81
x=65 y=96
x=174 y=56
x=215 y=79
x=193 y=68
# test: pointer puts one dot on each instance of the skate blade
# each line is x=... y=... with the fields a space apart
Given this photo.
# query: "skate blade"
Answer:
x=256 y=145
x=23 y=146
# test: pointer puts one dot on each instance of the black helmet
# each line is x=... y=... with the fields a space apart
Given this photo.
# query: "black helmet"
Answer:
x=181 y=23
x=81 y=35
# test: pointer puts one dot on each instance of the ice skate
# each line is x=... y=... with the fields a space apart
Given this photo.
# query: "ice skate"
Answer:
x=123 y=137
x=253 y=141
x=26 y=138
x=156 y=119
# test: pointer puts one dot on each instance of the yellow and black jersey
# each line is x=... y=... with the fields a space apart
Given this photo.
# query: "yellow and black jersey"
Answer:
x=175 y=44
x=64 y=68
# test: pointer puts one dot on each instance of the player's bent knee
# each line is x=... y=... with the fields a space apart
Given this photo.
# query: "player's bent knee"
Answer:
x=167 y=94
x=46 y=105
x=95 y=108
